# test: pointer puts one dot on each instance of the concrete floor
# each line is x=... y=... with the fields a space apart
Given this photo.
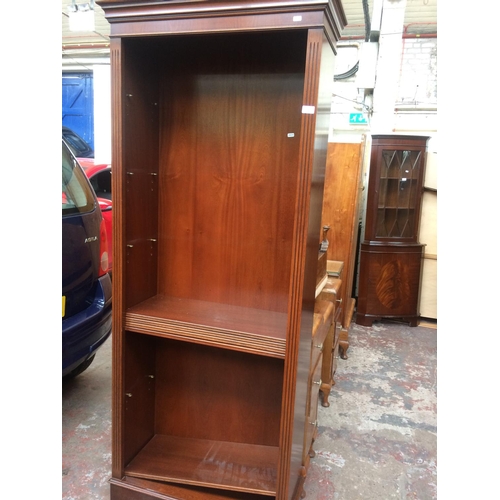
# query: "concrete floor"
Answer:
x=376 y=441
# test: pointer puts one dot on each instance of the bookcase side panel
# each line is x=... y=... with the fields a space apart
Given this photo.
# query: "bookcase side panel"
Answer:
x=139 y=393
x=139 y=170
x=314 y=142
x=116 y=59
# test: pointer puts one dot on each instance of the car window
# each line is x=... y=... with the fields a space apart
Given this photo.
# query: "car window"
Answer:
x=101 y=182
x=77 y=195
x=77 y=145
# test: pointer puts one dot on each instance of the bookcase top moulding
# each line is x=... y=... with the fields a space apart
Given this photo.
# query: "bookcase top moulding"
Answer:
x=196 y=16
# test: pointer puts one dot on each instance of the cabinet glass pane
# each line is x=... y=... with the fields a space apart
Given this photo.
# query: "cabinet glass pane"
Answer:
x=397 y=194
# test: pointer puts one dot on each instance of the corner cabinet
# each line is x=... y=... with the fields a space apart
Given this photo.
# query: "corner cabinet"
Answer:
x=391 y=257
x=220 y=130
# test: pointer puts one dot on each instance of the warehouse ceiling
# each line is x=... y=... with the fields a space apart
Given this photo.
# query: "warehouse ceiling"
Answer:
x=81 y=49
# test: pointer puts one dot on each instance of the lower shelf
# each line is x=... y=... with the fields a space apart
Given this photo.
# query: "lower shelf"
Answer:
x=215 y=464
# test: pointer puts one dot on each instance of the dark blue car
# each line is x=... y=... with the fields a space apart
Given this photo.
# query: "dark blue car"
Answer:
x=86 y=284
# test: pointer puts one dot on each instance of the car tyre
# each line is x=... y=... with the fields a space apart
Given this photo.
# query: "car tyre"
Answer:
x=80 y=368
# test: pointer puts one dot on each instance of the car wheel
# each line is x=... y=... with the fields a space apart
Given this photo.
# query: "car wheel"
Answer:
x=80 y=368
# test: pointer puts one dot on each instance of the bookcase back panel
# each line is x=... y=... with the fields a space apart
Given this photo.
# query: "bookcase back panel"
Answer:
x=217 y=394
x=229 y=138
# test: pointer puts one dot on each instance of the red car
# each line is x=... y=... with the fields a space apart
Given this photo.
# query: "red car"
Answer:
x=100 y=178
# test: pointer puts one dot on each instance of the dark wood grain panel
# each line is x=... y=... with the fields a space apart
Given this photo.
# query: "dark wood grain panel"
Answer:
x=389 y=283
x=234 y=152
x=211 y=393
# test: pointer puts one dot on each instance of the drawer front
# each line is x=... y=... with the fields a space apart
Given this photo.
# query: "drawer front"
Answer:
x=318 y=344
x=330 y=354
x=323 y=318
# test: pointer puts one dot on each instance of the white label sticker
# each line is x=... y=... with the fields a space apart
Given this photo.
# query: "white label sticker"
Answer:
x=290 y=134
x=297 y=19
x=308 y=110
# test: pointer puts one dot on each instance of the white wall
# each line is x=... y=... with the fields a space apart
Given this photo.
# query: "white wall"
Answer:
x=102 y=113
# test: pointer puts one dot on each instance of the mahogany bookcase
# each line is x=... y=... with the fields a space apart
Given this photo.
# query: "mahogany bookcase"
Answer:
x=220 y=130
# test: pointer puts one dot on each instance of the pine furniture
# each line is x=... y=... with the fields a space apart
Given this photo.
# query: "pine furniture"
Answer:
x=341 y=212
x=331 y=293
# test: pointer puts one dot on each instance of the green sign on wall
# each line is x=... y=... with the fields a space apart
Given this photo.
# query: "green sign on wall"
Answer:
x=357 y=118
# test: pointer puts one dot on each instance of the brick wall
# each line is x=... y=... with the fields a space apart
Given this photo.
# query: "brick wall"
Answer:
x=418 y=76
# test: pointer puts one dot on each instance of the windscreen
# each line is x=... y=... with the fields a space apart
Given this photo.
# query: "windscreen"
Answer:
x=77 y=196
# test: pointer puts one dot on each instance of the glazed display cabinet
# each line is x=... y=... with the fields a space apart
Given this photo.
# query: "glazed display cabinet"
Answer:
x=220 y=130
x=391 y=257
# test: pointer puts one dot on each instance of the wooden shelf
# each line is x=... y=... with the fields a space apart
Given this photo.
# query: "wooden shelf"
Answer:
x=238 y=328
x=216 y=464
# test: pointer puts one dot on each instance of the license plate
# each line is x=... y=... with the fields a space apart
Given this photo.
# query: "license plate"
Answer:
x=63 y=305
